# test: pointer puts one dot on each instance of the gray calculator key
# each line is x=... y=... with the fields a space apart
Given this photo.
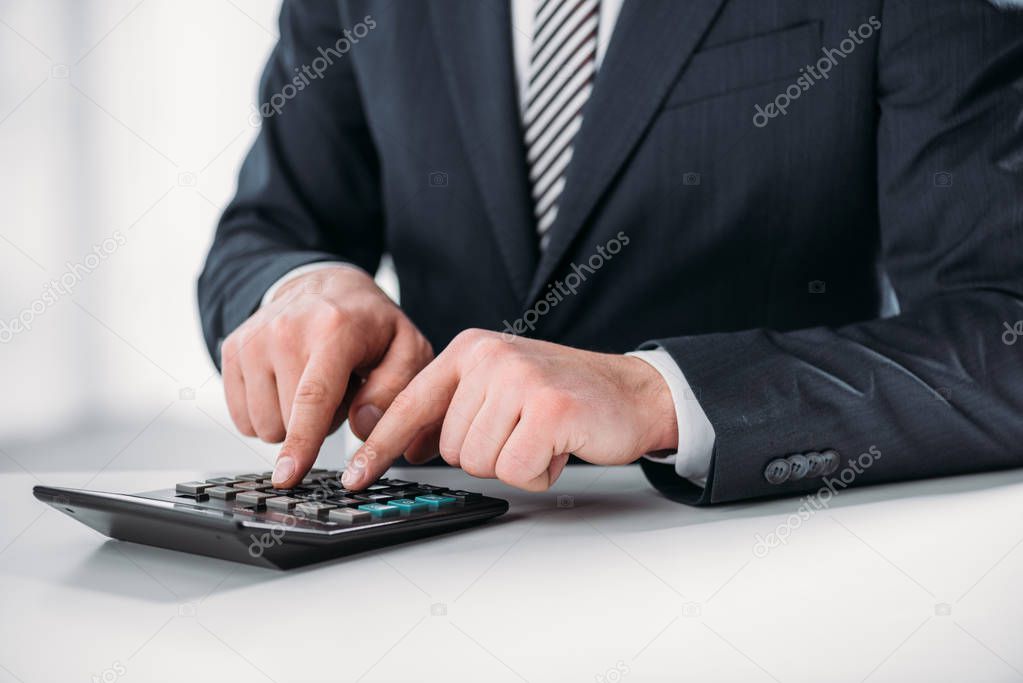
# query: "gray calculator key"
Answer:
x=314 y=510
x=253 y=486
x=282 y=503
x=224 y=492
x=256 y=499
x=222 y=481
x=348 y=516
x=345 y=501
x=192 y=488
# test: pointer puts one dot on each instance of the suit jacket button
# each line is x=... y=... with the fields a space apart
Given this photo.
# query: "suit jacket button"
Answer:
x=777 y=471
x=800 y=466
x=832 y=461
x=817 y=464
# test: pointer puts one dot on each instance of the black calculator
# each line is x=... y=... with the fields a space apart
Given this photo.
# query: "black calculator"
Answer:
x=244 y=519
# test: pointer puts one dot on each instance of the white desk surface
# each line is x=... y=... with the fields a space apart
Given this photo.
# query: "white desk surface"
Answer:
x=910 y=582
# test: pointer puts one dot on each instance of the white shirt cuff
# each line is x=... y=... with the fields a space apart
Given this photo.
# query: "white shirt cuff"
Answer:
x=296 y=272
x=695 y=432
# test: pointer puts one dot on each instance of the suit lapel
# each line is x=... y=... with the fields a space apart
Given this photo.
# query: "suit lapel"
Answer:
x=650 y=45
x=474 y=42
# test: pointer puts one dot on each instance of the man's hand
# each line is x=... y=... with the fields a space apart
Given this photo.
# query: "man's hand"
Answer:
x=330 y=343
x=515 y=408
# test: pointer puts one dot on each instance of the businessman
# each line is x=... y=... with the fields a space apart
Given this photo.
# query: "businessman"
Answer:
x=751 y=244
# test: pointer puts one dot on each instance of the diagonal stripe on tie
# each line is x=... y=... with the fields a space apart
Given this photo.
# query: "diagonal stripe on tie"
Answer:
x=563 y=63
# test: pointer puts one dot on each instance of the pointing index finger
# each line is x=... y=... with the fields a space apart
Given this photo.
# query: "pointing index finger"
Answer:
x=423 y=402
x=317 y=397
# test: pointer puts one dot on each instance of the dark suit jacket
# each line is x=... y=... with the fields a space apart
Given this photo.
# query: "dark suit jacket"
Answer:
x=754 y=251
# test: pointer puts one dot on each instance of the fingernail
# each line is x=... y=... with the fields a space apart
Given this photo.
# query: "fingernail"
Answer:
x=366 y=418
x=353 y=472
x=283 y=470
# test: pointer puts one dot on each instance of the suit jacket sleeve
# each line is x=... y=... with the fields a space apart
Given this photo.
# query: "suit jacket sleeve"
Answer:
x=309 y=188
x=938 y=389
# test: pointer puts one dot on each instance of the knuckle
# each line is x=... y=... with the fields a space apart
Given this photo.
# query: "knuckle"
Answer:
x=404 y=402
x=311 y=392
x=477 y=342
x=513 y=475
x=476 y=466
x=512 y=468
x=298 y=444
x=554 y=404
x=467 y=337
x=330 y=316
x=230 y=347
x=271 y=433
x=243 y=424
x=450 y=452
x=284 y=328
x=385 y=385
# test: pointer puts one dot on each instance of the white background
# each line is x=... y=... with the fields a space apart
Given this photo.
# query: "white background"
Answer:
x=117 y=116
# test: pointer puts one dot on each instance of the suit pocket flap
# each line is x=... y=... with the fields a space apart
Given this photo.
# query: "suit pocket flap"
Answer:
x=721 y=69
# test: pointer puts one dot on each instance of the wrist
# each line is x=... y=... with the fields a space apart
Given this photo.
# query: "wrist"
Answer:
x=317 y=281
x=654 y=407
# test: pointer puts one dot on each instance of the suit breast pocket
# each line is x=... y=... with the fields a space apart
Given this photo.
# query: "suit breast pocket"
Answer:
x=735 y=66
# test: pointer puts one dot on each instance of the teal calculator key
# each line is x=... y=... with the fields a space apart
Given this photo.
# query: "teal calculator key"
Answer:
x=379 y=509
x=435 y=500
x=407 y=505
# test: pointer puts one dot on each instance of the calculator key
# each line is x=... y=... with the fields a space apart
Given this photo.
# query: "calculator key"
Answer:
x=252 y=486
x=462 y=496
x=348 y=516
x=436 y=501
x=429 y=488
x=380 y=510
x=192 y=488
x=397 y=482
x=224 y=492
x=345 y=501
x=372 y=497
x=249 y=477
x=282 y=492
x=222 y=481
x=282 y=503
x=408 y=506
x=377 y=487
x=403 y=493
x=256 y=499
x=324 y=480
x=313 y=510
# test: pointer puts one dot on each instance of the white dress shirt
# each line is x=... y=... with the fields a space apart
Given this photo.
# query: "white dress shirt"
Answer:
x=695 y=432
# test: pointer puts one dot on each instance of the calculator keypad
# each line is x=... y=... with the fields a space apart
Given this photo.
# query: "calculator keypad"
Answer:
x=321 y=499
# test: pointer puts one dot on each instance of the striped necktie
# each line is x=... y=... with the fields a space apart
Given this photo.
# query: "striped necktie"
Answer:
x=562 y=65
